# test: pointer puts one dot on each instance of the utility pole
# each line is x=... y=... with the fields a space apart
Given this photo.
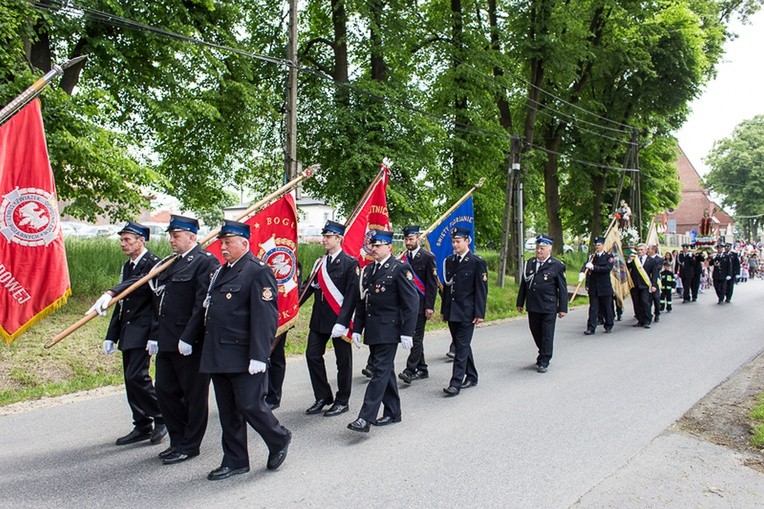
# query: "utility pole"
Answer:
x=290 y=150
x=519 y=222
x=514 y=157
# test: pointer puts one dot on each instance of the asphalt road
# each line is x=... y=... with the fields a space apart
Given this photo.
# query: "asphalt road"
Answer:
x=518 y=439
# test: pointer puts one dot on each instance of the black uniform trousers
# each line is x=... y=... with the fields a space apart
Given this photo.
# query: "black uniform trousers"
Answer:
x=542 y=330
x=241 y=400
x=720 y=286
x=276 y=371
x=141 y=395
x=415 y=361
x=314 y=354
x=464 y=364
x=600 y=306
x=695 y=286
x=730 y=288
x=642 y=305
x=655 y=300
x=184 y=398
x=689 y=291
x=382 y=388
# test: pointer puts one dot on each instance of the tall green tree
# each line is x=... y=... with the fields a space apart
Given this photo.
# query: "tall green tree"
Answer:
x=737 y=173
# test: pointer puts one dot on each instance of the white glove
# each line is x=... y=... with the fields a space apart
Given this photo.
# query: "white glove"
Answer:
x=590 y=266
x=108 y=347
x=357 y=339
x=100 y=305
x=256 y=367
x=581 y=276
x=729 y=277
x=338 y=331
x=407 y=342
x=152 y=347
x=184 y=348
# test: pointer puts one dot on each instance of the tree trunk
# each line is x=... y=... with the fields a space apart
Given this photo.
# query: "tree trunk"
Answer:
x=552 y=187
x=339 y=23
x=378 y=67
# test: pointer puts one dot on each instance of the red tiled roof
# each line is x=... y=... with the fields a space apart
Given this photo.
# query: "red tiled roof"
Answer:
x=695 y=199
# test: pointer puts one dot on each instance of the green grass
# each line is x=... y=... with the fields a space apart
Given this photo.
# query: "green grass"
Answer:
x=757 y=414
x=29 y=371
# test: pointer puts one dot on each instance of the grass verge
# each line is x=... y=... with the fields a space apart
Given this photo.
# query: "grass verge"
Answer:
x=757 y=414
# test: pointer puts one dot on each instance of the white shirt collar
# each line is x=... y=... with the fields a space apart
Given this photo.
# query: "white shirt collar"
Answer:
x=413 y=253
x=135 y=262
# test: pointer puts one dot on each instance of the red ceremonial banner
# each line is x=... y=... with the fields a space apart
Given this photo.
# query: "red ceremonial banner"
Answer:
x=372 y=215
x=273 y=239
x=34 y=276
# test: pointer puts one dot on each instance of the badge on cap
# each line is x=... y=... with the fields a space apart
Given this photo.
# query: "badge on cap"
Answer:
x=267 y=293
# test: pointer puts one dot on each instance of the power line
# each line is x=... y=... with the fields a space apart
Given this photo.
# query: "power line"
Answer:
x=107 y=18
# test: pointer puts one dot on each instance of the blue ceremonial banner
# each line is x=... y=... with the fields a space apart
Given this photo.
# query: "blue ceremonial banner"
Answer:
x=439 y=238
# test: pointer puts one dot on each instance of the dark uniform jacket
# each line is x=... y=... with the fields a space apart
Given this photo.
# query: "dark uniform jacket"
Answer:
x=686 y=263
x=130 y=324
x=241 y=316
x=466 y=289
x=388 y=305
x=181 y=290
x=424 y=267
x=343 y=272
x=652 y=270
x=598 y=279
x=722 y=266
x=734 y=264
x=544 y=290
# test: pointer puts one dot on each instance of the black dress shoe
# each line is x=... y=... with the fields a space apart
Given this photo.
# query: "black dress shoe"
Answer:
x=638 y=324
x=178 y=457
x=421 y=375
x=450 y=355
x=646 y=326
x=160 y=430
x=365 y=372
x=359 y=425
x=657 y=319
x=385 y=420
x=405 y=376
x=318 y=406
x=469 y=383
x=588 y=332
x=275 y=459
x=542 y=369
x=223 y=472
x=608 y=331
x=136 y=435
x=336 y=409
x=273 y=406
x=451 y=391
x=167 y=452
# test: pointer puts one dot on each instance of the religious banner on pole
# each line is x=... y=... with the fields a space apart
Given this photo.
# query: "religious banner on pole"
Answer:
x=372 y=214
x=439 y=238
x=619 y=276
x=273 y=239
x=34 y=276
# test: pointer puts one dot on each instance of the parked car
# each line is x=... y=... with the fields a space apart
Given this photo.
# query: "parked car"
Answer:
x=72 y=229
x=310 y=235
x=530 y=245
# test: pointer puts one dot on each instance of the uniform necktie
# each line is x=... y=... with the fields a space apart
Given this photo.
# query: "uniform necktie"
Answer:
x=641 y=260
x=374 y=270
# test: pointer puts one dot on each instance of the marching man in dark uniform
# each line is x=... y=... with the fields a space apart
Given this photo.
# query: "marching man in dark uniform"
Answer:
x=645 y=278
x=699 y=260
x=241 y=322
x=599 y=287
x=463 y=307
x=734 y=271
x=544 y=292
x=722 y=272
x=177 y=337
x=425 y=275
x=686 y=263
x=386 y=314
x=129 y=328
x=336 y=289
x=657 y=266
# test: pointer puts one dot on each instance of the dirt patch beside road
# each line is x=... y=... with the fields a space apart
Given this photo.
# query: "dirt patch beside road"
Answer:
x=722 y=416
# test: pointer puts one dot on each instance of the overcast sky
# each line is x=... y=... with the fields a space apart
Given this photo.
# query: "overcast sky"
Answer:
x=735 y=95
